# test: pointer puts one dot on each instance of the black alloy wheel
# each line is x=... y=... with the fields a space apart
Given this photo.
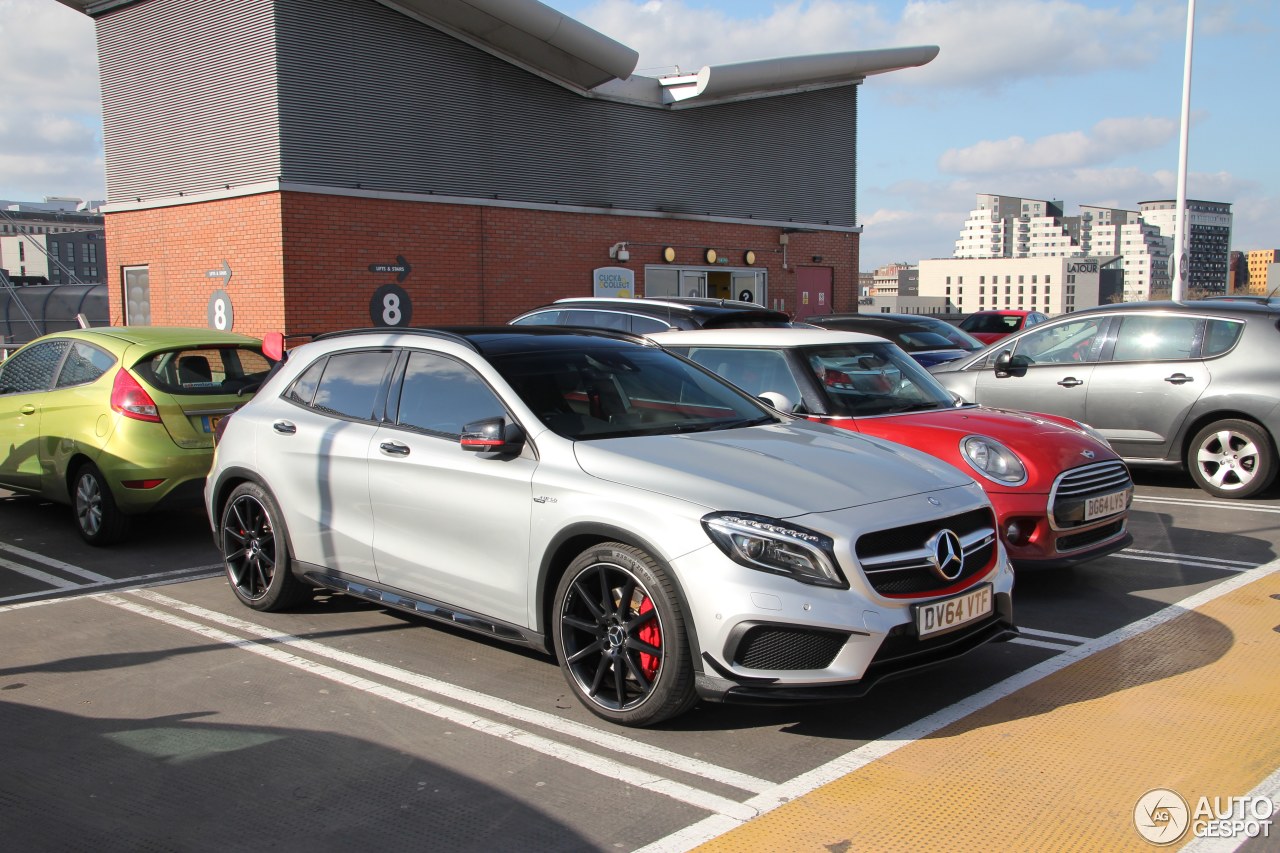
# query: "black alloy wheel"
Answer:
x=256 y=551
x=621 y=637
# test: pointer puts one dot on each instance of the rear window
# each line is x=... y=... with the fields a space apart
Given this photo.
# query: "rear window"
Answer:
x=205 y=371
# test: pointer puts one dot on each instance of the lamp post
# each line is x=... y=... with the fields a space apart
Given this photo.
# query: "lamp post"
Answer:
x=1178 y=283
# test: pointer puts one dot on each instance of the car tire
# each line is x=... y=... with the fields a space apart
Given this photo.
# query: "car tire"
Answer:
x=255 y=551
x=620 y=636
x=1232 y=459
x=98 y=519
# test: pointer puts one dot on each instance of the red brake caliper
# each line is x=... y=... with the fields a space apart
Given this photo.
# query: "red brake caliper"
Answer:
x=653 y=636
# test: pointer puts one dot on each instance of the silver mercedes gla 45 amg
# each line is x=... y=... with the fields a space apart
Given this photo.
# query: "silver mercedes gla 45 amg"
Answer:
x=666 y=536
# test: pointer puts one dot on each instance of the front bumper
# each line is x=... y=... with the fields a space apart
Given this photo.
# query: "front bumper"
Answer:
x=764 y=637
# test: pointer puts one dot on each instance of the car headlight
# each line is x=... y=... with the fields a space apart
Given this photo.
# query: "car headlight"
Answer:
x=993 y=460
x=776 y=546
x=1095 y=435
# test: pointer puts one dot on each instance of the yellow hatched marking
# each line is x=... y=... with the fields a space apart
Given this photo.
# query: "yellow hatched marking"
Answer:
x=1190 y=705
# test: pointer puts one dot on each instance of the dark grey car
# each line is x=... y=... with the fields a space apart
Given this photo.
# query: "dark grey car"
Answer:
x=1191 y=384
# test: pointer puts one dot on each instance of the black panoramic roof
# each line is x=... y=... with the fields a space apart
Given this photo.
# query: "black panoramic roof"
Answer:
x=498 y=340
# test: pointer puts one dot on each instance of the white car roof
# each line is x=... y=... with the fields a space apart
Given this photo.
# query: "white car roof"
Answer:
x=761 y=337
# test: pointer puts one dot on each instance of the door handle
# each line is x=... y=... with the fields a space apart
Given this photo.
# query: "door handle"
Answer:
x=1179 y=379
x=1071 y=382
x=394 y=448
x=284 y=427
x=28 y=410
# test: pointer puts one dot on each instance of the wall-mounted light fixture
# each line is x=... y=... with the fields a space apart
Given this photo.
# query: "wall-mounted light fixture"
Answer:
x=817 y=259
x=748 y=257
x=618 y=251
x=710 y=256
x=668 y=253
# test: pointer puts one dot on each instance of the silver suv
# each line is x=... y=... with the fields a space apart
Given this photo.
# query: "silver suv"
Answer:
x=666 y=535
x=1190 y=384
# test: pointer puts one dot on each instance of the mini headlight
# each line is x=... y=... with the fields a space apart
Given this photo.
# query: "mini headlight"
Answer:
x=993 y=460
x=776 y=546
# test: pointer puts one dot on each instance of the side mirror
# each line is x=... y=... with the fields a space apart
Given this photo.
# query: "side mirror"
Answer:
x=492 y=435
x=1007 y=364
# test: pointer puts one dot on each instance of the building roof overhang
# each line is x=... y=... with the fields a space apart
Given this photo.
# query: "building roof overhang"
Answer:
x=554 y=46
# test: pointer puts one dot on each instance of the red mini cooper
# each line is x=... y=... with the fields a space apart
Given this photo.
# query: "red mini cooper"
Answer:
x=1060 y=494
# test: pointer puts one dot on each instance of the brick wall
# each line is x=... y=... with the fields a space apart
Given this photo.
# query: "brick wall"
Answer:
x=301 y=262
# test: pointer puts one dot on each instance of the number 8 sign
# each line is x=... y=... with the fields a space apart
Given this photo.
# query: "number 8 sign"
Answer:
x=221 y=316
x=390 y=306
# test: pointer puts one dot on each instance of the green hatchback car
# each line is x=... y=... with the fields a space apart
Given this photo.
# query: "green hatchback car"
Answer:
x=120 y=421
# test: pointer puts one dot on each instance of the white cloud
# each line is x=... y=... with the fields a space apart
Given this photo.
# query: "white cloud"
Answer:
x=985 y=45
x=1107 y=140
x=50 y=115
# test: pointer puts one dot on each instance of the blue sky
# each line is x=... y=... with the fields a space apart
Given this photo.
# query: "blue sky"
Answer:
x=1076 y=100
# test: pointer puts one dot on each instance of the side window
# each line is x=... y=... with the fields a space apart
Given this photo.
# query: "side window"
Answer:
x=303 y=389
x=594 y=319
x=32 y=369
x=351 y=382
x=646 y=325
x=1062 y=343
x=440 y=395
x=85 y=364
x=1221 y=336
x=1155 y=338
x=542 y=318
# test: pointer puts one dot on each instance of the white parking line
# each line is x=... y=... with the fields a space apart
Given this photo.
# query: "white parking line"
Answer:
x=52 y=563
x=608 y=740
x=717 y=825
x=1234 y=506
x=1053 y=635
x=1040 y=644
x=1185 y=561
x=43 y=577
x=1239 y=563
x=194 y=573
x=580 y=758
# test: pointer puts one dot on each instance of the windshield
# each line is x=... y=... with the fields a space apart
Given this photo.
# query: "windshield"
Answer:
x=954 y=334
x=992 y=323
x=919 y=341
x=610 y=392
x=873 y=379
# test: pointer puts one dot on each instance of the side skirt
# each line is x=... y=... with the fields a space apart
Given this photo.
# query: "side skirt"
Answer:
x=420 y=606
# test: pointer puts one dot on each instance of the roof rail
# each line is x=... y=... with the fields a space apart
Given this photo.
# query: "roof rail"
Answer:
x=406 y=330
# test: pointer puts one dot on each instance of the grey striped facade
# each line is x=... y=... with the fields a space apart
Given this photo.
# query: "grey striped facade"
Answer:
x=351 y=94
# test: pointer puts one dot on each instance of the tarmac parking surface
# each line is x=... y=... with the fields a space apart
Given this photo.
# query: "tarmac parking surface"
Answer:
x=141 y=707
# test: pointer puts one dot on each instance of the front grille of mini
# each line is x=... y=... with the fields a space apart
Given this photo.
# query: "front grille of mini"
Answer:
x=772 y=647
x=897 y=562
x=1074 y=487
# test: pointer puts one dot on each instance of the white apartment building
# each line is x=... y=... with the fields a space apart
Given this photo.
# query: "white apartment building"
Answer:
x=1144 y=253
x=1049 y=285
x=1010 y=227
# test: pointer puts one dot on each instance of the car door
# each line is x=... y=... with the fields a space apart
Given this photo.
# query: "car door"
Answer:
x=25 y=380
x=450 y=525
x=72 y=419
x=315 y=458
x=1146 y=383
x=1058 y=361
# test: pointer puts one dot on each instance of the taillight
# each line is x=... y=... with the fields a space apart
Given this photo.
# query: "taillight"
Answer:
x=131 y=399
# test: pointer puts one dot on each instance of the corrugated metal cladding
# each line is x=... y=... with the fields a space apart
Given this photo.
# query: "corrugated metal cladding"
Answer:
x=373 y=98
x=189 y=96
